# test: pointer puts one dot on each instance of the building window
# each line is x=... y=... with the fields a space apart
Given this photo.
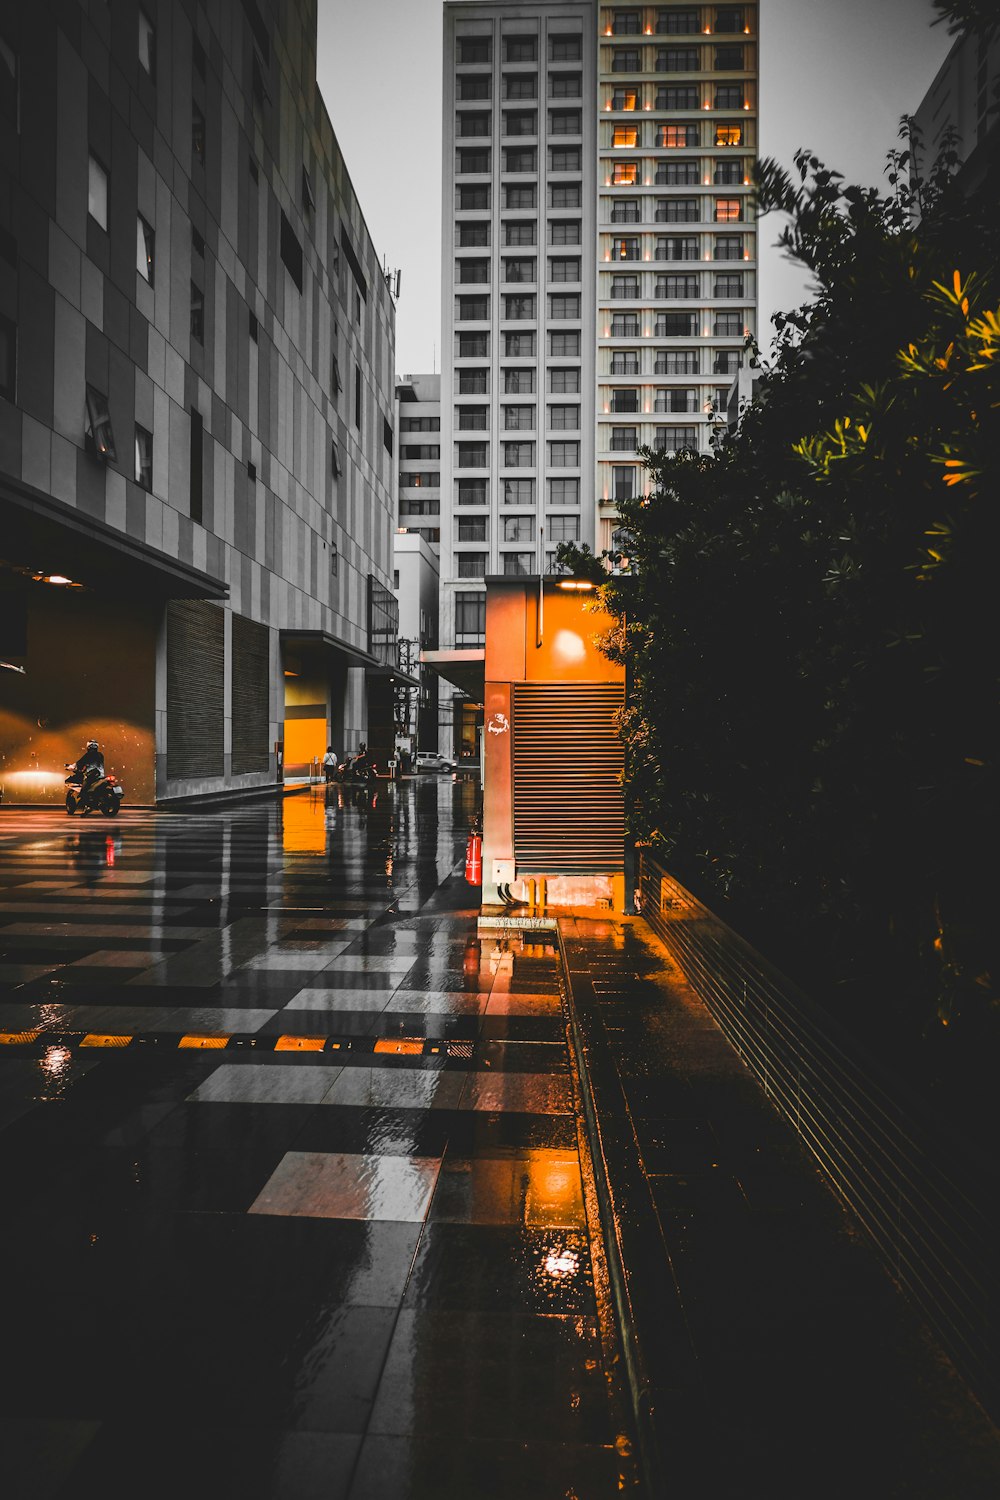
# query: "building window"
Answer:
x=518 y=382
x=729 y=18
x=517 y=528
x=520 y=122
x=470 y=618
x=357 y=397
x=564 y=528
x=473 y=86
x=679 y=60
x=625 y=173
x=728 y=210
x=626 y=211
x=564 y=268
x=420 y=424
x=625 y=99
x=729 y=135
x=473 y=159
x=626 y=249
x=472 y=492
x=198 y=134
x=474 y=49
x=519 y=418
x=519 y=345
x=728 y=247
x=564 y=122
x=565 y=85
x=473 y=529
x=676 y=22
x=473 y=271
x=471 y=198
x=676 y=362
x=8 y=359
x=197 y=313
x=291 y=251
x=564 y=492
x=681 y=247
x=627 y=23
x=519 y=270
x=473 y=309
x=679 y=96
x=564 y=455
x=473 y=124
x=516 y=233
x=678 y=137
x=520 y=86
x=625 y=287
x=623 y=485
x=471 y=418
x=197 y=243
x=726 y=362
x=473 y=345
x=520 y=49
x=728 y=325
x=565 y=344
x=676 y=286
x=473 y=455
x=564 y=305
x=679 y=398
x=518 y=491
x=97 y=193
x=627 y=60
x=518 y=563
x=471 y=564
x=625 y=362
x=519 y=455
x=677 y=439
x=729 y=96
x=143 y=457
x=565 y=382
x=472 y=234
x=565 y=48
x=625 y=135
x=308 y=196
x=728 y=173
x=565 y=159
x=519 y=196
x=678 y=325
x=625 y=399
x=730 y=285
x=564 y=232
x=147 y=45
x=145 y=249
x=525 y=159
x=564 y=418
x=677 y=211
x=196 y=460
x=335 y=463
x=625 y=325
x=472 y=382
x=518 y=307
x=677 y=173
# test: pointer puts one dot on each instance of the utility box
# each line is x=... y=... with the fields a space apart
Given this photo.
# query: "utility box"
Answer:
x=553 y=810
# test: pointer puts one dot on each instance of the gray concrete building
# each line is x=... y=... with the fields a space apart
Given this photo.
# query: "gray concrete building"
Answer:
x=196 y=403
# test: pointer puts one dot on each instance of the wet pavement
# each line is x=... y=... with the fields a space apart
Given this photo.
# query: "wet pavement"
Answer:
x=294 y=1197
x=769 y=1353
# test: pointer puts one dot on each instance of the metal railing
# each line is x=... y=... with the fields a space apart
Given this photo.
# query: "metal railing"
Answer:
x=921 y=1194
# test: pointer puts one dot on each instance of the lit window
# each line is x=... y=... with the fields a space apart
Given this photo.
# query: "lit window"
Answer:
x=683 y=136
x=197 y=313
x=625 y=173
x=728 y=210
x=625 y=99
x=97 y=193
x=147 y=45
x=145 y=249
x=729 y=135
x=625 y=135
x=143 y=457
x=99 y=433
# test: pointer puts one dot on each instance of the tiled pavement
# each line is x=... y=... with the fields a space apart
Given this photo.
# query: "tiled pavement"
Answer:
x=264 y=1270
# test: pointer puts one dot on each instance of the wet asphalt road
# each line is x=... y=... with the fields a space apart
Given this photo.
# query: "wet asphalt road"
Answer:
x=318 y=1227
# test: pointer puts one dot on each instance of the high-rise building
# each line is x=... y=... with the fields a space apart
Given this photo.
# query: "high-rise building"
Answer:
x=418 y=455
x=599 y=273
x=196 y=403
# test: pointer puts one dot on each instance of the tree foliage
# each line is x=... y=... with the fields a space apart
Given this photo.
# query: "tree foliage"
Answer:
x=809 y=624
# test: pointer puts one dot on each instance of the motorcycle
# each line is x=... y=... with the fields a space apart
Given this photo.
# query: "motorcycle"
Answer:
x=92 y=791
x=356 y=770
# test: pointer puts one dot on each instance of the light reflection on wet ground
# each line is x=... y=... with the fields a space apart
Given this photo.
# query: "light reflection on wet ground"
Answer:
x=363 y=1271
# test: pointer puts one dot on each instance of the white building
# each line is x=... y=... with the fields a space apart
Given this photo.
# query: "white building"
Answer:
x=599 y=266
x=418 y=455
x=415 y=581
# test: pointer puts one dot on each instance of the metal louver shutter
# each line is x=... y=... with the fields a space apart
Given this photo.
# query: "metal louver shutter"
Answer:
x=250 y=652
x=196 y=661
x=567 y=757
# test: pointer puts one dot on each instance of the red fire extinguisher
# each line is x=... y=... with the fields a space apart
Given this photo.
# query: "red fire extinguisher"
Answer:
x=474 y=858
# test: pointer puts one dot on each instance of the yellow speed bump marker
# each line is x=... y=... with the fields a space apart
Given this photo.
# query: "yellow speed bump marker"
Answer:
x=399 y=1044
x=197 y=1039
x=100 y=1039
x=300 y=1044
x=18 y=1038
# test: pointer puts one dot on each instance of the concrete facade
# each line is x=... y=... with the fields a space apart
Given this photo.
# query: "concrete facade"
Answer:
x=196 y=413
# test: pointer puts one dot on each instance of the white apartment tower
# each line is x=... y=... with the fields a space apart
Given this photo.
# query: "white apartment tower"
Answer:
x=599 y=266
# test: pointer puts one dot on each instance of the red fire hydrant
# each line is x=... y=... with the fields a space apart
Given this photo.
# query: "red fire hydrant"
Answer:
x=474 y=858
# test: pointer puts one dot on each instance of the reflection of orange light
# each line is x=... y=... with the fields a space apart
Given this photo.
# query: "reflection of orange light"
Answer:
x=561 y=1264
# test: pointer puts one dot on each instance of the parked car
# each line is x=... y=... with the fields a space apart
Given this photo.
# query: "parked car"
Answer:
x=430 y=760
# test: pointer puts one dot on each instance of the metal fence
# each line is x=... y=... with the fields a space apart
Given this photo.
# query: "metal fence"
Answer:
x=924 y=1199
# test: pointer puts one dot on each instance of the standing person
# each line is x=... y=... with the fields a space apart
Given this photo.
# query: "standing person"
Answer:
x=330 y=764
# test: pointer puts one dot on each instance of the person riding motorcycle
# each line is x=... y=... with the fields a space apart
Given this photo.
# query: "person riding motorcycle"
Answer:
x=91 y=757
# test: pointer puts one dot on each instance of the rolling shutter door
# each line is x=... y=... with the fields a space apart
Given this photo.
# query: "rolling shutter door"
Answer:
x=196 y=661
x=567 y=760
x=251 y=720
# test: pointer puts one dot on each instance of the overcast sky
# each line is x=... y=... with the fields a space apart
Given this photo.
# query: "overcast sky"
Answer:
x=835 y=76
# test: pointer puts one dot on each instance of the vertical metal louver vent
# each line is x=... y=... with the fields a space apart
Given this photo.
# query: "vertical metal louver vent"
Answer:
x=251 y=647
x=196 y=662
x=567 y=758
